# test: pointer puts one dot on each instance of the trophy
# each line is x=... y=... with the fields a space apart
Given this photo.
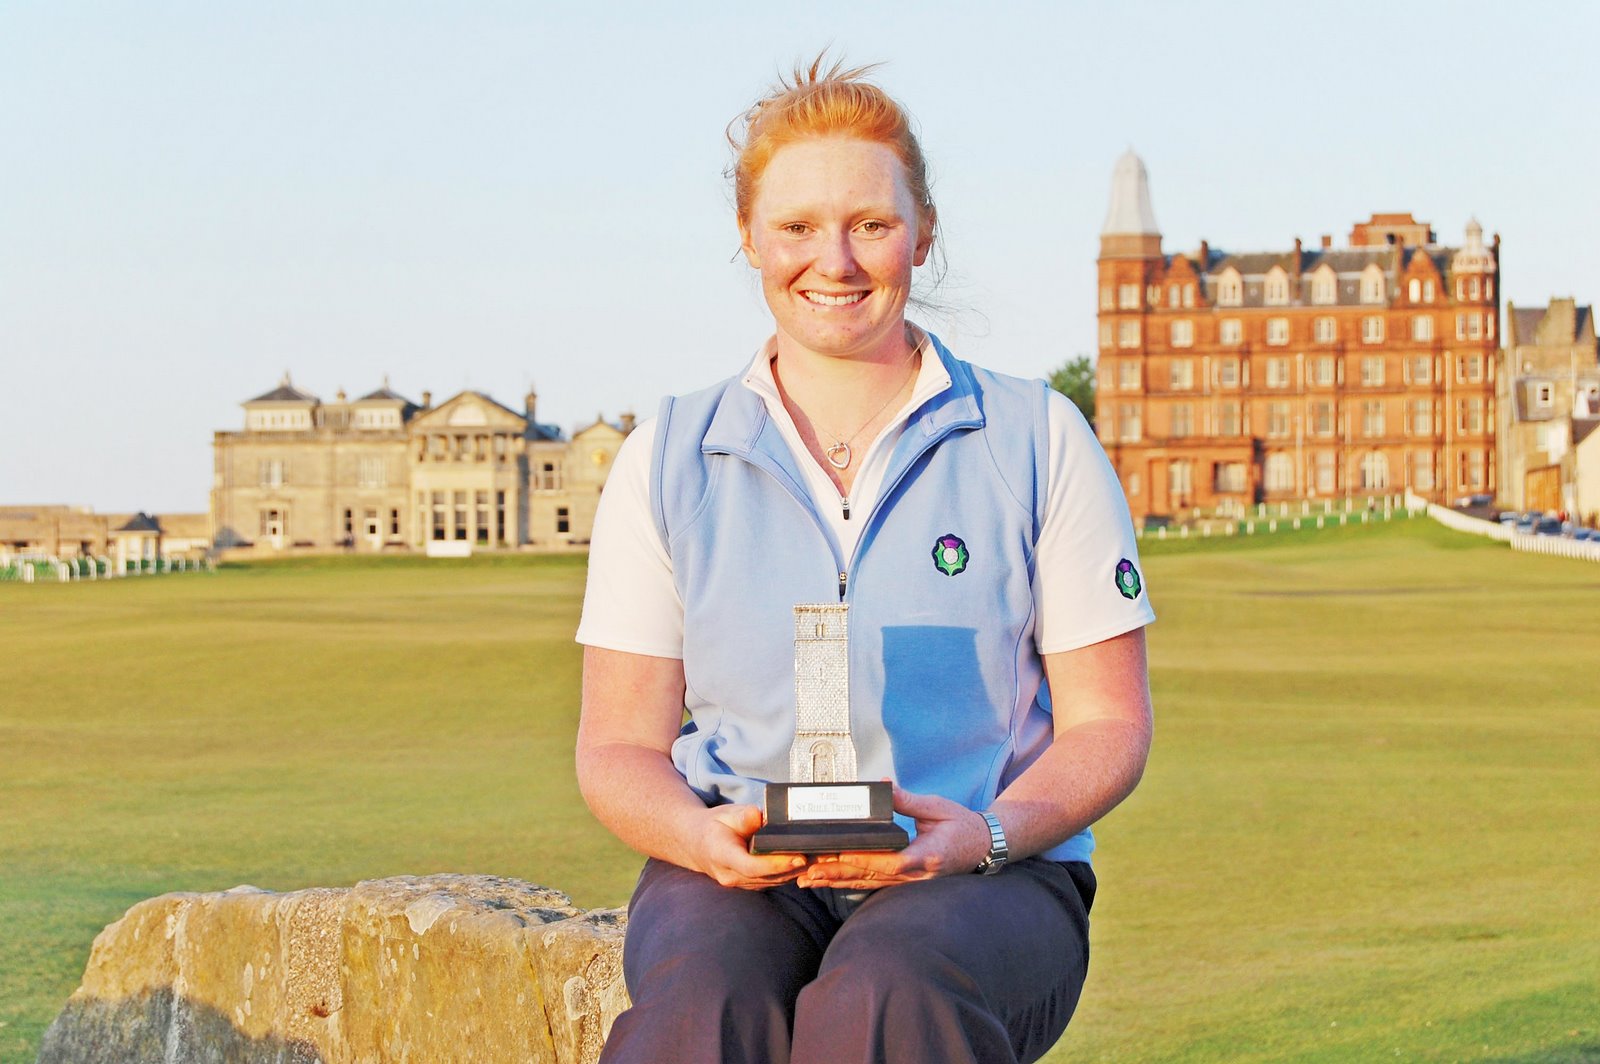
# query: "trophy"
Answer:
x=823 y=808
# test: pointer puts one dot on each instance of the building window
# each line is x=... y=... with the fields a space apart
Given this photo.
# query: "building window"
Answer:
x=1419 y=417
x=1229 y=331
x=1280 y=473
x=1228 y=372
x=1374 y=472
x=394 y=522
x=1326 y=330
x=1544 y=395
x=1421 y=326
x=1422 y=470
x=370 y=524
x=1322 y=371
x=1106 y=301
x=1127 y=334
x=1326 y=472
x=1182 y=419
x=1372 y=371
x=1277 y=373
x=1188 y=294
x=1278 y=420
x=549 y=478
x=563 y=521
x=1470 y=471
x=1230 y=289
x=1420 y=368
x=1183 y=334
x=1105 y=334
x=1128 y=375
x=1415 y=290
x=1230 y=478
x=1172 y=295
x=273 y=473
x=1128 y=427
x=1322 y=418
x=1275 y=293
x=1181 y=373
x=1469 y=416
x=1325 y=287
x=1128 y=296
x=1372 y=330
x=374 y=472
x=1469 y=326
x=1469 y=369
x=438 y=523
x=1372 y=418
x=1180 y=480
x=1372 y=284
x=1133 y=484
x=349 y=523
x=1277 y=331
x=1228 y=419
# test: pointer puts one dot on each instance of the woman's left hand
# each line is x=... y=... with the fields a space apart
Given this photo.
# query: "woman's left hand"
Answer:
x=951 y=840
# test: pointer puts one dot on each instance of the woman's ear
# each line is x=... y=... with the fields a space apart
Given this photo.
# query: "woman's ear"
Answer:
x=925 y=238
x=748 y=246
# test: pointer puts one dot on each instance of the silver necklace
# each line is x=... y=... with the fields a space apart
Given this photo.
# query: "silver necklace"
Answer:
x=838 y=454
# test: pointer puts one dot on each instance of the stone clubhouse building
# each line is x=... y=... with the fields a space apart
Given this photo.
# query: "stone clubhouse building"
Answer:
x=383 y=473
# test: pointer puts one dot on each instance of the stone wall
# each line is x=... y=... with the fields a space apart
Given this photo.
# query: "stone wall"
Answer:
x=424 y=969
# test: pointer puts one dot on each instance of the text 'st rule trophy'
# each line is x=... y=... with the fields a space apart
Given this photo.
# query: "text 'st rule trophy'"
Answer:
x=823 y=809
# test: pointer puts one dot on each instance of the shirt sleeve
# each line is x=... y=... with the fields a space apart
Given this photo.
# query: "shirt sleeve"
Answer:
x=1088 y=584
x=631 y=602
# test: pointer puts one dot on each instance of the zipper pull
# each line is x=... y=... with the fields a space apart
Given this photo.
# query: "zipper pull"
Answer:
x=844 y=501
x=843 y=577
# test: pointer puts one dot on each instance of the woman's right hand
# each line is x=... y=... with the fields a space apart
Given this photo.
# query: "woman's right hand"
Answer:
x=725 y=856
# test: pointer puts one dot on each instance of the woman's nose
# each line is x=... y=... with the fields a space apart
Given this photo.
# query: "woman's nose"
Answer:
x=837 y=258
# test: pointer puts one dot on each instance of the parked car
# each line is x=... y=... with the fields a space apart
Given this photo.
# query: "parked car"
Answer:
x=1525 y=522
x=1547 y=526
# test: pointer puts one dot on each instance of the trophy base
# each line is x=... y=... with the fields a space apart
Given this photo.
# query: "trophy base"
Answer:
x=821 y=818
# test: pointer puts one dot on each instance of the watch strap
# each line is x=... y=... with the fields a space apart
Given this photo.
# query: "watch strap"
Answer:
x=998 y=850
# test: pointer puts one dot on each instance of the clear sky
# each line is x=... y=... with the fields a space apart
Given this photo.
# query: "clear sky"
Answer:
x=196 y=196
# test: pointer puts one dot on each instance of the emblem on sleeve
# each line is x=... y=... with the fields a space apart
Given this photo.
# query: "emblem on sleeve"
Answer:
x=1127 y=578
x=950 y=554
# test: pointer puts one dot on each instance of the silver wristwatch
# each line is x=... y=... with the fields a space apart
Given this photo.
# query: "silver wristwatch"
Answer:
x=998 y=850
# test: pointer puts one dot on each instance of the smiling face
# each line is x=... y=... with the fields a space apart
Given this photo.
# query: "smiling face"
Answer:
x=835 y=232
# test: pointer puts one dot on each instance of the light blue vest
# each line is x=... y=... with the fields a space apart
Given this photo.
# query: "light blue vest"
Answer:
x=947 y=691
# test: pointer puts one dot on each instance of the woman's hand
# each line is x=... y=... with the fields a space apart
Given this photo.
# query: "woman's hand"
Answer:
x=724 y=853
x=951 y=840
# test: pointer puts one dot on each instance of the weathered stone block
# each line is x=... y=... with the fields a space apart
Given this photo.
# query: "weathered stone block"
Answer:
x=435 y=968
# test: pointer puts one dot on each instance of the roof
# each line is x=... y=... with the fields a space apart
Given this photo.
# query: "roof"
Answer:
x=1346 y=263
x=1130 y=212
x=385 y=395
x=285 y=392
x=140 y=522
x=540 y=431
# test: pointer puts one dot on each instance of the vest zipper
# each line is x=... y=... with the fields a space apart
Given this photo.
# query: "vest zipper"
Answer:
x=844 y=501
x=844 y=578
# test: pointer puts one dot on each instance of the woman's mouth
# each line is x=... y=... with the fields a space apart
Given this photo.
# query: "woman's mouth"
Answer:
x=823 y=299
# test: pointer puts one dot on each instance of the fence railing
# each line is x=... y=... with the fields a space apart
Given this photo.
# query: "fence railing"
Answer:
x=44 y=568
x=1559 y=546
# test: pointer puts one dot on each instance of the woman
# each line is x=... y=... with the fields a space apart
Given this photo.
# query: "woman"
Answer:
x=997 y=664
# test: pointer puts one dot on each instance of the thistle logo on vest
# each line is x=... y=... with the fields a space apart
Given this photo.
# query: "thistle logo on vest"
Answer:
x=1128 y=579
x=950 y=554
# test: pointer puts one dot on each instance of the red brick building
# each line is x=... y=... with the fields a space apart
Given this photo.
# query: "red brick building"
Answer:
x=1227 y=379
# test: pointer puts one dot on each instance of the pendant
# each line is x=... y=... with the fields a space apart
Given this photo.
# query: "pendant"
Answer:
x=838 y=455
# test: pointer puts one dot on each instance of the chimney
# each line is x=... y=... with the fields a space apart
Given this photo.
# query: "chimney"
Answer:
x=627 y=423
x=1327 y=241
x=427 y=399
x=1299 y=258
x=1205 y=256
x=530 y=404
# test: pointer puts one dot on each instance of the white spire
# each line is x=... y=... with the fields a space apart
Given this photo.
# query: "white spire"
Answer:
x=1130 y=213
x=1473 y=256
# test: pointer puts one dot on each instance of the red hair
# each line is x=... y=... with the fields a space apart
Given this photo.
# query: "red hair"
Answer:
x=817 y=103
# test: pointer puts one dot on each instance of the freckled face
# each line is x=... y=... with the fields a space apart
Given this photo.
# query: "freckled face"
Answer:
x=835 y=233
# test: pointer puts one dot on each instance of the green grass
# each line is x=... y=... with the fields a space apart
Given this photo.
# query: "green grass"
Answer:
x=1368 y=831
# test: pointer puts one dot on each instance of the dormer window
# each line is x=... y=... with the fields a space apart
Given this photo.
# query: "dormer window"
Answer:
x=1324 y=287
x=1372 y=284
x=1275 y=293
x=1230 y=289
x=1416 y=290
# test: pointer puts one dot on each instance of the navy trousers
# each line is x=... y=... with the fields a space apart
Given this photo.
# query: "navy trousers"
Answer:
x=986 y=969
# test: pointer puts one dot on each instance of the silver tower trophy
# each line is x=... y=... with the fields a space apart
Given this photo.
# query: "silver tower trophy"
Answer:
x=823 y=809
